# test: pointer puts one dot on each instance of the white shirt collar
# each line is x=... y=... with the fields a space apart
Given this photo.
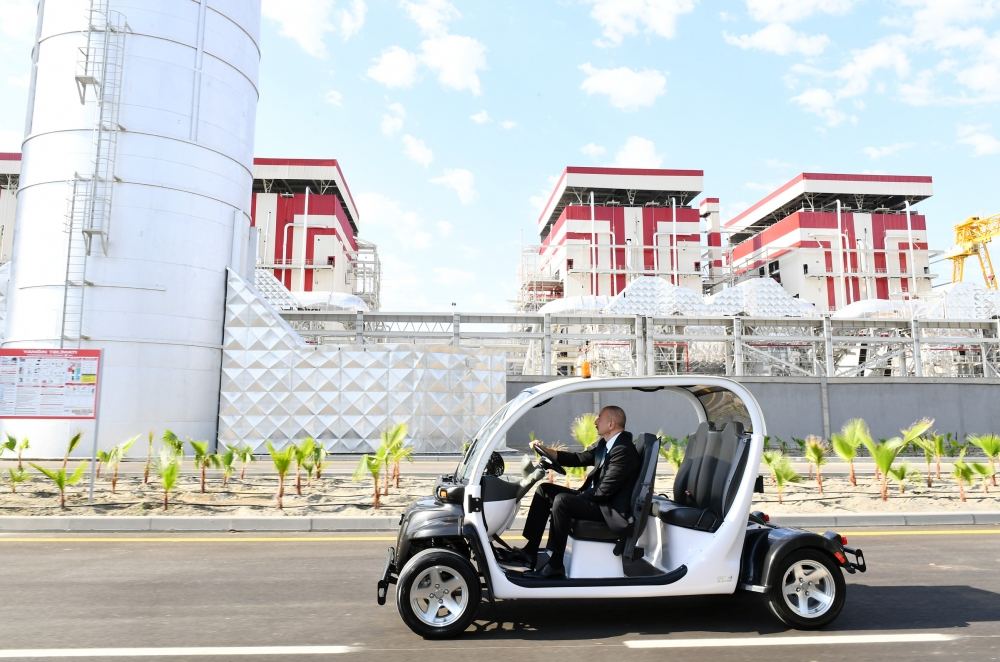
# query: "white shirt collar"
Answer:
x=611 y=442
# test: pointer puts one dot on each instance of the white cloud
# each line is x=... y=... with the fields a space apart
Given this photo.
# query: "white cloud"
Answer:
x=821 y=102
x=353 y=19
x=622 y=18
x=457 y=61
x=431 y=16
x=593 y=150
x=790 y=11
x=638 y=152
x=889 y=53
x=507 y=125
x=918 y=91
x=461 y=181
x=885 y=150
x=978 y=137
x=482 y=117
x=395 y=67
x=777 y=163
x=537 y=201
x=417 y=150
x=334 y=98
x=392 y=120
x=444 y=228
x=309 y=22
x=625 y=88
x=380 y=213
x=780 y=39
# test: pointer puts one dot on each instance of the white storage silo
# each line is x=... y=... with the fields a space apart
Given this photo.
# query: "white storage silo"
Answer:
x=133 y=203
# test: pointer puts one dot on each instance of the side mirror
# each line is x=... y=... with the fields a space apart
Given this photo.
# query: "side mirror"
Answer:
x=758 y=485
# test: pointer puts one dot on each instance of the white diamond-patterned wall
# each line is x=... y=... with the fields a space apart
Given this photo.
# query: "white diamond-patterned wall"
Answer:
x=275 y=386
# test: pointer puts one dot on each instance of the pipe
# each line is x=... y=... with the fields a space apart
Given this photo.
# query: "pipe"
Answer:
x=593 y=248
x=909 y=240
x=840 y=260
x=673 y=247
x=305 y=245
x=656 y=251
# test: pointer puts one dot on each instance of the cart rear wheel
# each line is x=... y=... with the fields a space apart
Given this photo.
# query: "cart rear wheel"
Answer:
x=808 y=590
x=438 y=593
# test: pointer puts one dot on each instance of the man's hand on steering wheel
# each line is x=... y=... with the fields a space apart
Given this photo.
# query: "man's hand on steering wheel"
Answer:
x=545 y=460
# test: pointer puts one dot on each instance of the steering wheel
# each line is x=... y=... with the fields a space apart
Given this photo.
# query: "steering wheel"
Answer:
x=545 y=462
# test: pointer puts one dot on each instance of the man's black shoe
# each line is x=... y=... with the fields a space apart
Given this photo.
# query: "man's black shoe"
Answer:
x=520 y=556
x=548 y=571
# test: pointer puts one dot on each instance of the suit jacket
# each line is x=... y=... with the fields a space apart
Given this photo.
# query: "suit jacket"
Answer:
x=613 y=482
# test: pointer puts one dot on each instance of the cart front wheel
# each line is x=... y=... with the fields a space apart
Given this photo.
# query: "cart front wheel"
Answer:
x=438 y=593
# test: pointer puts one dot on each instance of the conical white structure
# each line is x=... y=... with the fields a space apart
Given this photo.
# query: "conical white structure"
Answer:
x=652 y=296
x=759 y=297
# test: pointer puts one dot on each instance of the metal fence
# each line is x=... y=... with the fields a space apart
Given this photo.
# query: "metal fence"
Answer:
x=736 y=346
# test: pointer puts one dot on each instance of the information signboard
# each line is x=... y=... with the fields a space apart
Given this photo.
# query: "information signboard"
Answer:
x=49 y=383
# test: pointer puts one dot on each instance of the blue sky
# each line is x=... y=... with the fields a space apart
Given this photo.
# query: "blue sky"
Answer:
x=451 y=120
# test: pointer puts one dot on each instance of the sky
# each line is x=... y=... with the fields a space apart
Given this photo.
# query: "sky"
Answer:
x=453 y=120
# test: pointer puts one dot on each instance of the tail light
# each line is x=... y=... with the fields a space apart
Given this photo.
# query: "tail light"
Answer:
x=843 y=540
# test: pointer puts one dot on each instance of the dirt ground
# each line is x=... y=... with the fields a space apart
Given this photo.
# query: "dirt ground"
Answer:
x=339 y=495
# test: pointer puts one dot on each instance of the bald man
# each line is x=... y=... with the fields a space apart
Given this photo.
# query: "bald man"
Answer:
x=605 y=496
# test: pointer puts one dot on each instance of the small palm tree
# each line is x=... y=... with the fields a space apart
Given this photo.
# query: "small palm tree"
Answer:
x=225 y=461
x=245 y=455
x=149 y=460
x=782 y=472
x=115 y=457
x=8 y=445
x=392 y=441
x=173 y=442
x=984 y=473
x=926 y=444
x=903 y=473
x=282 y=463
x=939 y=448
x=102 y=459
x=16 y=476
x=815 y=452
x=73 y=441
x=303 y=452
x=202 y=459
x=62 y=479
x=846 y=442
x=398 y=451
x=963 y=474
x=771 y=457
x=990 y=445
x=583 y=431
x=169 y=469
x=372 y=464
x=319 y=459
x=884 y=452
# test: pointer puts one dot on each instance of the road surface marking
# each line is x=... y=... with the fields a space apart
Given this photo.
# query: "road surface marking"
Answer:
x=820 y=640
x=193 y=651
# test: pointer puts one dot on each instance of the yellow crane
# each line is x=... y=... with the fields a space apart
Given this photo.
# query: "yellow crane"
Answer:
x=972 y=237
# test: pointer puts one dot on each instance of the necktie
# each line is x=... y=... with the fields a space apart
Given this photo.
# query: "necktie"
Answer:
x=600 y=454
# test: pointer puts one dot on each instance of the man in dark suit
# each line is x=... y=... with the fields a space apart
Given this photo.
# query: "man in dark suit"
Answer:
x=606 y=494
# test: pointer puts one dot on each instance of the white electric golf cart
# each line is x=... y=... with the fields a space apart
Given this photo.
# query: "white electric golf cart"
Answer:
x=702 y=539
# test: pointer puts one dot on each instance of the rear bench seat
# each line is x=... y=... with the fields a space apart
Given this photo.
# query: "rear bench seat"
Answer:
x=707 y=480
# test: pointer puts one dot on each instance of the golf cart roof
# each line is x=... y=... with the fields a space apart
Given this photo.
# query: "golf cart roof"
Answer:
x=716 y=399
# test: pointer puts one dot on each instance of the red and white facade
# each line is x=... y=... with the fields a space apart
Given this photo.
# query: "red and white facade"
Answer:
x=306 y=219
x=833 y=239
x=601 y=227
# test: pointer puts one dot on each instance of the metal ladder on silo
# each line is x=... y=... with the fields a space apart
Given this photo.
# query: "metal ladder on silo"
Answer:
x=89 y=215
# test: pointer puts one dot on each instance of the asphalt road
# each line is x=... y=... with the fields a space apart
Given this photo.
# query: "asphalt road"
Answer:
x=231 y=596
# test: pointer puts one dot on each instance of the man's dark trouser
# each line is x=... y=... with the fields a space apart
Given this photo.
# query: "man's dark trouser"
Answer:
x=565 y=505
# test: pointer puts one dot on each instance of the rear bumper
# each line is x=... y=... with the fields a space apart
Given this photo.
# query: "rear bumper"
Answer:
x=855 y=560
x=389 y=575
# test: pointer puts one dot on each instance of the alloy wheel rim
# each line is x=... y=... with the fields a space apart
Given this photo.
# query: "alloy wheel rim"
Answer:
x=808 y=589
x=439 y=596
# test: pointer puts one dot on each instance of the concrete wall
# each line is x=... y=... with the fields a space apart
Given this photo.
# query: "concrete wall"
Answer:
x=793 y=407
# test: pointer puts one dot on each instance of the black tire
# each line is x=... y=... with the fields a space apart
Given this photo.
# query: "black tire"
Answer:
x=438 y=574
x=808 y=589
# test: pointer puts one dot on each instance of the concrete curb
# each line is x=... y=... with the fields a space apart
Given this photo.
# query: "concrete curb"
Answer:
x=386 y=524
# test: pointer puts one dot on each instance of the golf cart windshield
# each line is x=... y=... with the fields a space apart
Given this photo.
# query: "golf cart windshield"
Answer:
x=486 y=432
